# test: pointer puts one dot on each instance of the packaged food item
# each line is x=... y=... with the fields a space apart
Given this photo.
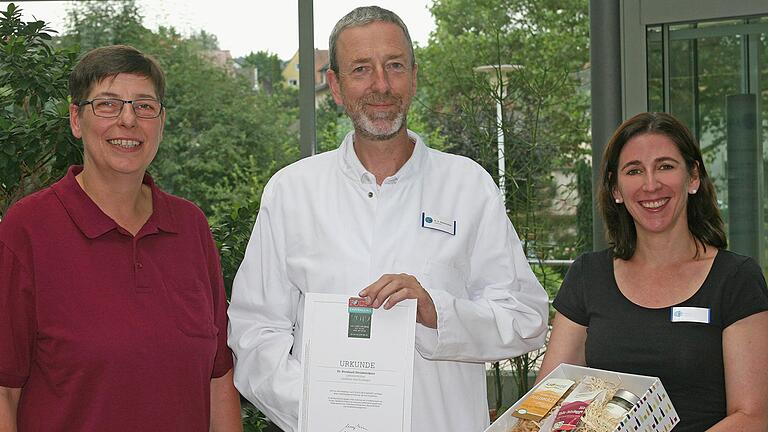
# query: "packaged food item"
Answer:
x=620 y=404
x=652 y=412
x=525 y=426
x=545 y=424
x=540 y=401
x=574 y=405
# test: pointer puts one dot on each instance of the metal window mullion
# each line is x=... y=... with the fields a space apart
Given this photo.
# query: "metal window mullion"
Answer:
x=665 y=65
x=695 y=89
x=753 y=43
x=307 y=135
x=745 y=54
x=755 y=87
x=719 y=31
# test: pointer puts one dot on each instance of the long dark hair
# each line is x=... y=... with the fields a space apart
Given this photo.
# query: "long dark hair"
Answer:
x=704 y=220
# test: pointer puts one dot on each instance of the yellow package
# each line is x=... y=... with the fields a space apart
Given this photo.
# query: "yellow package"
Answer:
x=542 y=399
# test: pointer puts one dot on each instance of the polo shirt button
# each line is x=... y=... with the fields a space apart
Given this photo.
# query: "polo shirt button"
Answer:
x=139 y=266
x=370 y=194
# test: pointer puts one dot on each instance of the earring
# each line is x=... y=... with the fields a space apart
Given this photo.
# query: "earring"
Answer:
x=692 y=192
x=618 y=200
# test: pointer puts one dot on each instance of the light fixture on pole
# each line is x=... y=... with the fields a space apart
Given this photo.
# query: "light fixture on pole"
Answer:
x=497 y=74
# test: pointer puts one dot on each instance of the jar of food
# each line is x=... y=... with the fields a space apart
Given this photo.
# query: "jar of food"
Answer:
x=619 y=406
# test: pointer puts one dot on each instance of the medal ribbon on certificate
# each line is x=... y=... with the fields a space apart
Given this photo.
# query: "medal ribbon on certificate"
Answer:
x=360 y=314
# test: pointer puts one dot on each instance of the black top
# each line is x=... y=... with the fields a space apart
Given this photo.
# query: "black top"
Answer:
x=686 y=356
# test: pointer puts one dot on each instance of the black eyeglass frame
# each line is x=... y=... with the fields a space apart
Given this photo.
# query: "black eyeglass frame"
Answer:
x=93 y=108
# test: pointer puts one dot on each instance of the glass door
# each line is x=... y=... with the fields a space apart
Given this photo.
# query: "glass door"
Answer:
x=712 y=75
x=706 y=62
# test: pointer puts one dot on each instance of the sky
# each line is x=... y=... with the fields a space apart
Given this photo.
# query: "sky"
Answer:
x=242 y=26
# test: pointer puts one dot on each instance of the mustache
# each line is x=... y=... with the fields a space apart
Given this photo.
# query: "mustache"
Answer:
x=381 y=98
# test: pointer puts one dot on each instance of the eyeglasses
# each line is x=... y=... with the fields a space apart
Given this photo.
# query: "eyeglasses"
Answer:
x=111 y=107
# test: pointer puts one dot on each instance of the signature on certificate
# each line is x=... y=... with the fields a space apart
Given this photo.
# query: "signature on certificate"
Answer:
x=353 y=428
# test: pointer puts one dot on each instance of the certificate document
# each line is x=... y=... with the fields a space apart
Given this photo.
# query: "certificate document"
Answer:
x=357 y=365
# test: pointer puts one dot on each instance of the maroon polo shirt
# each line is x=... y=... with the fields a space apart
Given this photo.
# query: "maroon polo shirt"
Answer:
x=104 y=331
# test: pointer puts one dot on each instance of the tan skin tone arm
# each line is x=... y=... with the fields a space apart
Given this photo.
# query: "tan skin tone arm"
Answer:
x=9 y=402
x=745 y=354
x=225 y=405
x=566 y=345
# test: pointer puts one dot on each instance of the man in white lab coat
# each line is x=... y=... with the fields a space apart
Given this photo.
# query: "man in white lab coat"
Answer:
x=386 y=218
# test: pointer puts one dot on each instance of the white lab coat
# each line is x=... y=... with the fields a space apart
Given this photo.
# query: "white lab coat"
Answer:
x=326 y=226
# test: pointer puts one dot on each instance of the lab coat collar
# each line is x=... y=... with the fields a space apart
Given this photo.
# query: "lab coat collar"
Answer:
x=354 y=169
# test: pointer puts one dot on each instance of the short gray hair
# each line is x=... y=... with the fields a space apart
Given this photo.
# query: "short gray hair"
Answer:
x=360 y=17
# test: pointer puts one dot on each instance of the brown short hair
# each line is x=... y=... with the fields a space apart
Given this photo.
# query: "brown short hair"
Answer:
x=704 y=220
x=105 y=62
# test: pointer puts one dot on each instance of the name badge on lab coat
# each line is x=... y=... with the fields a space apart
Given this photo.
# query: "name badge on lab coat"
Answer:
x=690 y=314
x=443 y=224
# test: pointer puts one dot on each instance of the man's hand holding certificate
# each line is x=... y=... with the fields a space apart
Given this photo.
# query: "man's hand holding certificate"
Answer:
x=357 y=365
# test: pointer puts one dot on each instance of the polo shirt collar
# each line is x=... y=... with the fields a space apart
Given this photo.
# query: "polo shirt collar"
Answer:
x=354 y=169
x=93 y=222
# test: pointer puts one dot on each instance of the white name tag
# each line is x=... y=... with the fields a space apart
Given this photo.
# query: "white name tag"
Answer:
x=445 y=225
x=690 y=314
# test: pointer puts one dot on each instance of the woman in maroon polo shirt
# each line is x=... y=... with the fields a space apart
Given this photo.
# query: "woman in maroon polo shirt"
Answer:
x=112 y=306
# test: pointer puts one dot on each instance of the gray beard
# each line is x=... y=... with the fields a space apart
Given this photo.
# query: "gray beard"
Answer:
x=370 y=126
x=367 y=128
